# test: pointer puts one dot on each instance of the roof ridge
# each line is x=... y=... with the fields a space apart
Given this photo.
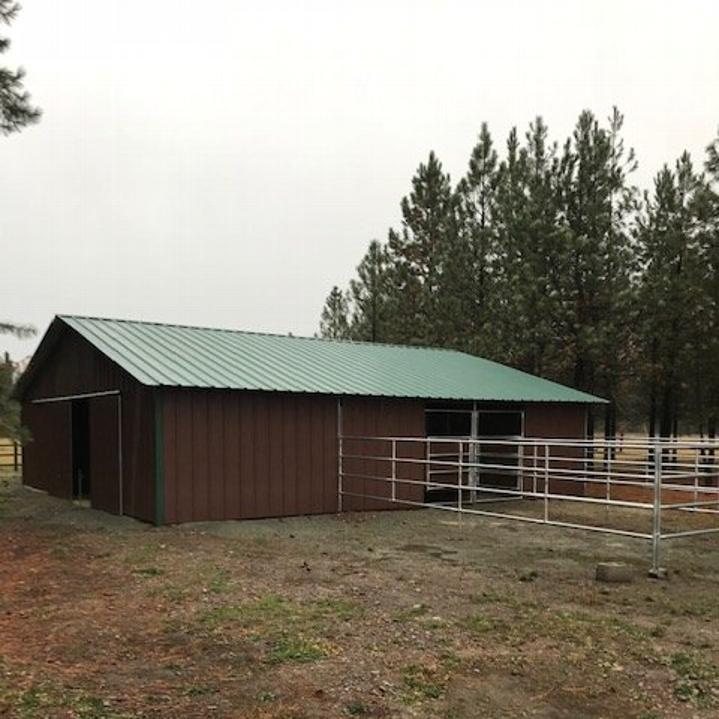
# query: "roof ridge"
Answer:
x=267 y=334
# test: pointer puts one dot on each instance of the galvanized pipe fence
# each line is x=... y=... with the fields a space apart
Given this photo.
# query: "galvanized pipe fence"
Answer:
x=674 y=480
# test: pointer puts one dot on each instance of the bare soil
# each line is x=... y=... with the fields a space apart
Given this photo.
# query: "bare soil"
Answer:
x=392 y=614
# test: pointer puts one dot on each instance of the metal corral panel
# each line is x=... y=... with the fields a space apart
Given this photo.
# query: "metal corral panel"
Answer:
x=177 y=356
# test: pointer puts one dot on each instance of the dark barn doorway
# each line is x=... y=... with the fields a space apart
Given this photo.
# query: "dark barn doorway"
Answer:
x=82 y=436
x=446 y=424
x=80 y=449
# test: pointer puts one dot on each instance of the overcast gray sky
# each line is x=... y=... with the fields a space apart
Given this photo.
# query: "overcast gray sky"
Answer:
x=225 y=162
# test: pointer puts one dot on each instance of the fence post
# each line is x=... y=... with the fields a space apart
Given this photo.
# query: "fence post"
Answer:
x=339 y=455
x=460 y=470
x=546 y=482
x=15 y=455
x=394 y=470
x=656 y=571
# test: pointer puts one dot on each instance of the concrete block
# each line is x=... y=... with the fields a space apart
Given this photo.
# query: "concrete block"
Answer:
x=614 y=572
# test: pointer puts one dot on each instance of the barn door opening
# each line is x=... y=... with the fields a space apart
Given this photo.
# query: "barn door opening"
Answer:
x=504 y=456
x=80 y=449
x=472 y=448
x=446 y=424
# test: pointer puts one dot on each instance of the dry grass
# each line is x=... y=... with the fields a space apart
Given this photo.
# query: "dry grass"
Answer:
x=401 y=614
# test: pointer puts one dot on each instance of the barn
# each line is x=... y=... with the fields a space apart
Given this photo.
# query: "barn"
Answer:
x=170 y=423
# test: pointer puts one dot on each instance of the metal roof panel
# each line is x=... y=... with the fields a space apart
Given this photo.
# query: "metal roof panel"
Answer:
x=181 y=356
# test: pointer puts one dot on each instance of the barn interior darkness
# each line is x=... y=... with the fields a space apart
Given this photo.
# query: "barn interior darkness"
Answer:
x=80 y=448
x=457 y=420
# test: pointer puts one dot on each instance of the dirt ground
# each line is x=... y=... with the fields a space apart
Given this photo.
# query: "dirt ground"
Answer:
x=394 y=614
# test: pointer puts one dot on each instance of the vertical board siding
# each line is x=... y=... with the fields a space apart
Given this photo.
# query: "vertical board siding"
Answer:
x=47 y=457
x=243 y=455
x=184 y=495
x=559 y=421
x=104 y=460
x=74 y=366
x=378 y=417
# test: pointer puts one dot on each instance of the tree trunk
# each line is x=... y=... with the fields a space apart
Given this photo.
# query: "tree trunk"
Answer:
x=711 y=433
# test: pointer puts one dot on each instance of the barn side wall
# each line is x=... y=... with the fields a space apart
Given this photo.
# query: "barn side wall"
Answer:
x=378 y=417
x=74 y=366
x=244 y=455
x=555 y=420
x=561 y=421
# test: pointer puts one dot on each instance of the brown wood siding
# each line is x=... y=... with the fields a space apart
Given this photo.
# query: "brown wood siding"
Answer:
x=381 y=417
x=47 y=458
x=74 y=366
x=243 y=455
x=562 y=421
x=104 y=460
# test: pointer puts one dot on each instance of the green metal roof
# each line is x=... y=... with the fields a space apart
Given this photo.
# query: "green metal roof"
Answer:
x=178 y=356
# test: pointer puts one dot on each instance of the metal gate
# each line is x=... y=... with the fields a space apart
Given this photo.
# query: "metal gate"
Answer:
x=669 y=480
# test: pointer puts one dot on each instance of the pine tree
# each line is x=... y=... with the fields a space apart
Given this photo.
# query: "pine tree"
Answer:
x=508 y=302
x=419 y=253
x=526 y=302
x=670 y=291
x=472 y=268
x=10 y=427
x=369 y=297
x=16 y=110
x=334 y=323
x=706 y=369
x=597 y=202
x=20 y=331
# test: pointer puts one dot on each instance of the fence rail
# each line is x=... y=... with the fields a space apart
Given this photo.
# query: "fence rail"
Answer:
x=465 y=475
x=10 y=455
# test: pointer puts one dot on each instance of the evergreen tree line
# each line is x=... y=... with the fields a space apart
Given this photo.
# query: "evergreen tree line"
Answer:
x=16 y=113
x=548 y=258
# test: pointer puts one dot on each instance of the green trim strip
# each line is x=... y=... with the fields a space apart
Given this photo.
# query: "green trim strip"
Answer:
x=159 y=461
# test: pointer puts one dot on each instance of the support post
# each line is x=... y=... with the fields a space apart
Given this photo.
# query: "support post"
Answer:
x=394 y=470
x=474 y=453
x=120 y=488
x=339 y=455
x=656 y=570
x=459 y=476
x=546 y=482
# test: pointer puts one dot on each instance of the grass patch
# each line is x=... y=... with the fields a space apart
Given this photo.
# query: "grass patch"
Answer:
x=220 y=583
x=47 y=700
x=293 y=631
x=485 y=624
x=357 y=709
x=276 y=610
x=294 y=648
x=148 y=571
x=420 y=683
x=696 y=680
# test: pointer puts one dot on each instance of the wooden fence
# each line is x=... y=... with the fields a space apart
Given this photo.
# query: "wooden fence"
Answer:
x=10 y=455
